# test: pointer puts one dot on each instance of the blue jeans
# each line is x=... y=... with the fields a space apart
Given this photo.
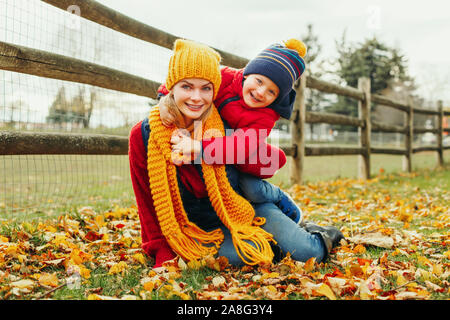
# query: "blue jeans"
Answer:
x=257 y=190
x=290 y=237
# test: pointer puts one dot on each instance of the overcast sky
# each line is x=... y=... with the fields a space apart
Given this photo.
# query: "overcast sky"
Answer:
x=420 y=29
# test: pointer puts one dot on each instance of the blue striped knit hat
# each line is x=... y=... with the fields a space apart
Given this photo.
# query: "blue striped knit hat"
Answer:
x=281 y=63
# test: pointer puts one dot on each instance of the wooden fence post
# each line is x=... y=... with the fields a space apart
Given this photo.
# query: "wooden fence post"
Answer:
x=364 y=132
x=298 y=131
x=409 y=135
x=440 y=135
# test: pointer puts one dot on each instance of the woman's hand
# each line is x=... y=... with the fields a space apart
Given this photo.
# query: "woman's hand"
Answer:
x=167 y=118
x=185 y=147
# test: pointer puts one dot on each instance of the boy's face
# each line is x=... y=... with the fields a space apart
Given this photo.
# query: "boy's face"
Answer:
x=259 y=91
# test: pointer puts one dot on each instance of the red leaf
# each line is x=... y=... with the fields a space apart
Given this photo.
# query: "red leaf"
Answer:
x=93 y=236
x=362 y=262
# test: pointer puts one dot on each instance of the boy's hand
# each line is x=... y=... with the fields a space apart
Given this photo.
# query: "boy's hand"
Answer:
x=185 y=146
x=167 y=118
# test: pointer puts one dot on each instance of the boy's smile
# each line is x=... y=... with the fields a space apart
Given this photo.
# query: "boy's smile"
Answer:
x=259 y=91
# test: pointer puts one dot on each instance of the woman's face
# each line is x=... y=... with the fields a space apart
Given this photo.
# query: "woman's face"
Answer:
x=193 y=97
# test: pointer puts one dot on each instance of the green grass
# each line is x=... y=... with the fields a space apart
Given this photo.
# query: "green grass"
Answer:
x=432 y=183
x=35 y=186
x=42 y=186
x=321 y=168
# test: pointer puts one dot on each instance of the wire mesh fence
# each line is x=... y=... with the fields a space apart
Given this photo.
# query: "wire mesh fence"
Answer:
x=33 y=184
x=42 y=185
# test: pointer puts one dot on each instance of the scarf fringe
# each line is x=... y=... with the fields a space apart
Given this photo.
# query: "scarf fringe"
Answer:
x=252 y=245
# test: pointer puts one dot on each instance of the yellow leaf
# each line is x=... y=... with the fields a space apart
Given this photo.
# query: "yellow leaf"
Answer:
x=437 y=269
x=99 y=221
x=139 y=257
x=447 y=254
x=401 y=280
x=194 y=264
x=364 y=291
x=120 y=267
x=149 y=286
x=424 y=260
x=47 y=279
x=326 y=291
x=271 y=288
x=84 y=272
x=4 y=239
x=51 y=229
x=270 y=275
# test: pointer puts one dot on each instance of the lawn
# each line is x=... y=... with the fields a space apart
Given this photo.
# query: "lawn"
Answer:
x=397 y=247
x=39 y=186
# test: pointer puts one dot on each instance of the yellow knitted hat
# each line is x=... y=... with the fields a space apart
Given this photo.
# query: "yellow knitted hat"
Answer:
x=194 y=60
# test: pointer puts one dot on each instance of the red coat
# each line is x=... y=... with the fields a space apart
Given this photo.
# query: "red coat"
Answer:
x=247 y=147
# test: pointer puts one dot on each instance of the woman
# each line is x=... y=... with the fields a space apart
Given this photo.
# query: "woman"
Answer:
x=195 y=210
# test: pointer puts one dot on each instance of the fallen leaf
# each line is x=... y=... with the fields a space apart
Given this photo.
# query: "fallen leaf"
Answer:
x=23 y=284
x=47 y=279
x=310 y=264
x=374 y=239
x=326 y=291
x=218 y=281
x=120 y=267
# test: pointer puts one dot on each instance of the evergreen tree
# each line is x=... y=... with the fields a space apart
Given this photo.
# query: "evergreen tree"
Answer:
x=382 y=64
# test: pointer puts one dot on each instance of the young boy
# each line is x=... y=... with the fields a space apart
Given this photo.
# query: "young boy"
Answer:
x=250 y=101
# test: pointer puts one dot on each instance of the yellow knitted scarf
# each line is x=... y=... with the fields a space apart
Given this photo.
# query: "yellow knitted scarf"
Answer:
x=236 y=213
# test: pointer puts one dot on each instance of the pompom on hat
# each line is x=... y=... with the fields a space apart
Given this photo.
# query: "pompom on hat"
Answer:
x=281 y=63
x=193 y=60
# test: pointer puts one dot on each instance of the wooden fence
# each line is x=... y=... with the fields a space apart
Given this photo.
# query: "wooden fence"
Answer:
x=45 y=64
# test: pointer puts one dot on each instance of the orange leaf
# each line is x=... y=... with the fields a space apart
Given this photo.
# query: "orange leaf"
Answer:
x=359 y=249
x=309 y=265
x=149 y=286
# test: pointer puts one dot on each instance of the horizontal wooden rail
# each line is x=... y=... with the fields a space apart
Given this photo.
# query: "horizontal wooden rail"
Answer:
x=381 y=127
x=332 y=118
x=426 y=111
x=50 y=65
x=98 y=13
x=425 y=148
x=290 y=151
x=388 y=151
x=328 y=87
x=16 y=143
x=331 y=151
x=379 y=99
